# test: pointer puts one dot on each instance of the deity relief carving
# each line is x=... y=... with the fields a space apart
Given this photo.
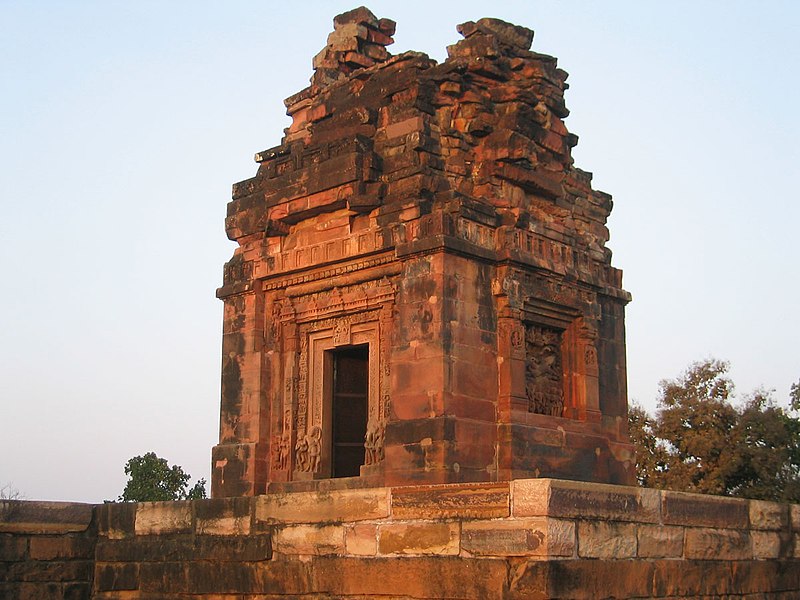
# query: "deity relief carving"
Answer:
x=543 y=371
x=341 y=332
x=282 y=444
x=373 y=443
x=308 y=450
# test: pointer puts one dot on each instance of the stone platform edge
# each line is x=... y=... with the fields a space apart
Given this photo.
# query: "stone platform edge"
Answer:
x=522 y=537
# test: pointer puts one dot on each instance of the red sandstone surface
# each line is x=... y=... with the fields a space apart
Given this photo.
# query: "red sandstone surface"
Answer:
x=536 y=538
x=421 y=237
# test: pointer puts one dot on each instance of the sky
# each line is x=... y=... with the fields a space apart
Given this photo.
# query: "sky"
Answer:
x=124 y=124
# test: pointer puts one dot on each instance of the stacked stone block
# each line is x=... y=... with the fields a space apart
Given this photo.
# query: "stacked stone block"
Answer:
x=46 y=550
x=539 y=538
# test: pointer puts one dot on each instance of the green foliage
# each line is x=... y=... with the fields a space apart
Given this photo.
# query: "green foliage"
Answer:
x=699 y=442
x=150 y=478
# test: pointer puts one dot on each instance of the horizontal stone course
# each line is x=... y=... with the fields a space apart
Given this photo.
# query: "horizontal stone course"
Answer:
x=163 y=517
x=310 y=539
x=561 y=498
x=717 y=544
x=679 y=508
x=323 y=507
x=419 y=537
x=606 y=539
x=538 y=536
x=659 y=541
x=19 y=516
x=60 y=547
x=451 y=501
x=223 y=516
x=590 y=541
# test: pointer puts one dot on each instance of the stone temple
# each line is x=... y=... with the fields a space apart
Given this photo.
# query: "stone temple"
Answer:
x=423 y=350
x=421 y=291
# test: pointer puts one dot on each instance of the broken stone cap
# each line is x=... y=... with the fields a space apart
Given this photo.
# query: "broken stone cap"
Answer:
x=506 y=33
x=364 y=16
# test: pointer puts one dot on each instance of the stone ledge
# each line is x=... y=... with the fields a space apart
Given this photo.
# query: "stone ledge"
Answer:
x=699 y=510
x=575 y=499
x=37 y=517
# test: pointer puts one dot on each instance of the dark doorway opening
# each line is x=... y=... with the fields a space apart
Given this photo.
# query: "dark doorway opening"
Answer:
x=350 y=409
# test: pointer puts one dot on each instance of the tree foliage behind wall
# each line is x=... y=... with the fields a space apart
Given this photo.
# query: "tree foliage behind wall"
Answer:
x=699 y=441
x=151 y=478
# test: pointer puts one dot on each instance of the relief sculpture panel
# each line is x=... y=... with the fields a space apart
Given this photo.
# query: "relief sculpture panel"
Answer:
x=544 y=378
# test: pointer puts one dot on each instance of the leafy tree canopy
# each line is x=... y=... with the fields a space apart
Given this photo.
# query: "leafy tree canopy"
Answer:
x=150 y=478
x=699 y=441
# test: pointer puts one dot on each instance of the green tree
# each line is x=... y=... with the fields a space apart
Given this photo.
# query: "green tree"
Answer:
x=767 y=440
x=151 y=478
x=695 y=422
x=699 y=442
x=650 y=455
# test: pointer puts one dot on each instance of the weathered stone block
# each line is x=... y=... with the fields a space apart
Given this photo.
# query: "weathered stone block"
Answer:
x=419 y=537
x=460 y=501
x=19 y=516
x=609 y=540
x=765 y=579
x=519 y=537
x=698 y=510
x=163 y=517
x=581 y=579
x=323 y=507
x=766 y=544
x=13 y=548
x=361 y=539
x=794 y=511
x=691 y=578
x=117 y=520
x=61 y=547
x=418 y=577
x=163 y=577
x=659 y=541
x=717 y=544
x=310 y=539
x=570 y=499
x=51 y=570
x=768 y=515
x=223 y=516
x=116 y=576
x=228 y=548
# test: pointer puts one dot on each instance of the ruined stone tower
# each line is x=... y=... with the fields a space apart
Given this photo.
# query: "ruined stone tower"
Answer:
x=421 y=291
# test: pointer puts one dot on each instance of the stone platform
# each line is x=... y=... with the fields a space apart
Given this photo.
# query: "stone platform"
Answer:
x=535 y=538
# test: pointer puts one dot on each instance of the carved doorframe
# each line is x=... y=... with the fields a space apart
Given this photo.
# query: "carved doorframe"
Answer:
x=308 y=399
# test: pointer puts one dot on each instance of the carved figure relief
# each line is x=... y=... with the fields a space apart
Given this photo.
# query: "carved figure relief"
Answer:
x=341 y=332
x=373 y=443
x=590 y=356
x=309 y=450
x=283 y=443
x=543 y=371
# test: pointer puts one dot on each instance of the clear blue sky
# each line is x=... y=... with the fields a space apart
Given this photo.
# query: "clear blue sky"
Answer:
x=124 y=124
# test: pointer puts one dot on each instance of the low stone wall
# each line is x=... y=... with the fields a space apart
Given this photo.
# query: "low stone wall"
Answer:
x=46 y=550
x=524 y=539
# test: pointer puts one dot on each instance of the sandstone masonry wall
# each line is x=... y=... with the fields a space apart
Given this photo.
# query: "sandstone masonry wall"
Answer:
x=46 y=550
x=537 y=538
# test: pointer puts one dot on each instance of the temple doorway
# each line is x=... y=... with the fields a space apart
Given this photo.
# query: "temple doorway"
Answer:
x=350 y=387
